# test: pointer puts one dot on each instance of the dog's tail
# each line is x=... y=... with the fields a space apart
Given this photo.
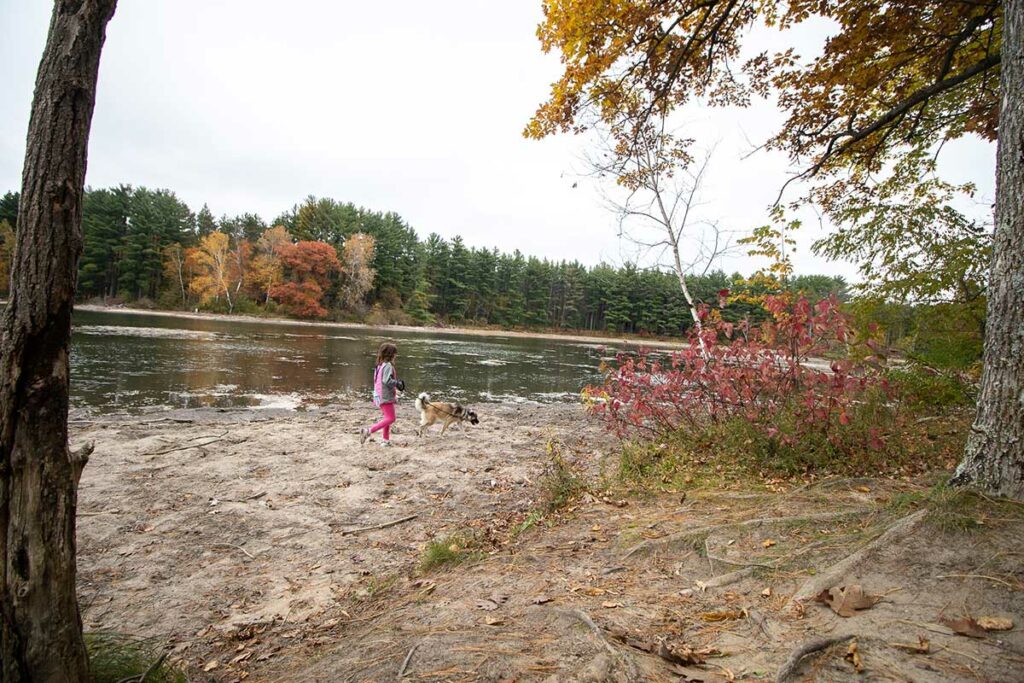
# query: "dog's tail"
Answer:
x=421 y=400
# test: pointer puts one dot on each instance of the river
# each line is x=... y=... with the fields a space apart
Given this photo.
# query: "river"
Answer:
x=126 y=362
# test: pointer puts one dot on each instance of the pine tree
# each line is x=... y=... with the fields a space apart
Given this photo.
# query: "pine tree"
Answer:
x=205 y=222
x=9 y=209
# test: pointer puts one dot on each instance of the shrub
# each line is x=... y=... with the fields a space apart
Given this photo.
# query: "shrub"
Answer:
x=921 y=388
x=738 y=388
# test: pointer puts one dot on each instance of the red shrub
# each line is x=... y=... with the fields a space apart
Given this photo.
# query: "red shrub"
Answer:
x=757 y=375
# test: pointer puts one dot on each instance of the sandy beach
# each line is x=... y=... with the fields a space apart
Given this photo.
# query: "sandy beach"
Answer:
x=272 y=546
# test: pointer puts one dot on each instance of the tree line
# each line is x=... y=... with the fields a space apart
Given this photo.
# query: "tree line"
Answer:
x=328 y=259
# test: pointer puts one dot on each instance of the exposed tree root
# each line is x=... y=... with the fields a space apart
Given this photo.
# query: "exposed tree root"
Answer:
x=792 y=663
x=839 y=571
x=730 y=578
x=691 y=535
x=628 y=663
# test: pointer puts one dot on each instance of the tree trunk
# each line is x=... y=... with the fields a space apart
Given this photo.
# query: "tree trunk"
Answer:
x=40 y=626
x=994 y=458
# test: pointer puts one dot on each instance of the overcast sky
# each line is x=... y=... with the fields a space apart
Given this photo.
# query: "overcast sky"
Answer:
x=405 y=106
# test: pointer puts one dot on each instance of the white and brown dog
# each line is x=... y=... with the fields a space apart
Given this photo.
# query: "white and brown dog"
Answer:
x=446 y=413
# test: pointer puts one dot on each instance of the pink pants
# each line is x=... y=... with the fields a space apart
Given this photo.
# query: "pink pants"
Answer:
x=385 y=424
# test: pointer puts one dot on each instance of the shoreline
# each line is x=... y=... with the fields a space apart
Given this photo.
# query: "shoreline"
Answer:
x=411 y=329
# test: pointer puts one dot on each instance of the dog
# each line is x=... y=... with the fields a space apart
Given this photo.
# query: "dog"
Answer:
x=447 y=413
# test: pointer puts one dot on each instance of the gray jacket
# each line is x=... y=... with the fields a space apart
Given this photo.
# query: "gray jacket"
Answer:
x=387 y=383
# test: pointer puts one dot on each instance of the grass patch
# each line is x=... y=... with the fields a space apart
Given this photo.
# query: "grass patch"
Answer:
x=876 y=440
x=957 y=510
x=534 y=518
x=560 y=484
x=117 y=657
x=377 y=586
x=450 y=550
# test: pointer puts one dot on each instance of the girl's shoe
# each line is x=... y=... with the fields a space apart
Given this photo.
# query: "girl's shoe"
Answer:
x=364 y=434
x=385 y=443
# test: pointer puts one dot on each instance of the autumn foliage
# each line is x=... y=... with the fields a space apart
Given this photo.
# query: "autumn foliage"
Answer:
x=761 y=379
x=308 y=266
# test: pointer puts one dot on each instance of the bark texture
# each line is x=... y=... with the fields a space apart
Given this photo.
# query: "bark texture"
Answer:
x=40 y=625
x=994 y=458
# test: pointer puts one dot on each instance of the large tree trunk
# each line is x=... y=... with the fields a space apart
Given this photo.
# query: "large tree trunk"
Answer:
x=40 y=626
x=994 y=459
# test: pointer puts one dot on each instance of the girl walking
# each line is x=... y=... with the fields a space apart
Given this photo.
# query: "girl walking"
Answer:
x=384 y=393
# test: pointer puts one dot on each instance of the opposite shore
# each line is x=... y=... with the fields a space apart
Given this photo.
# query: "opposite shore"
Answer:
x=411 y=329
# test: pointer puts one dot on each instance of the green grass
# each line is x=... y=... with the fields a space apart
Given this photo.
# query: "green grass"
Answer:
x=118 y=658
x=450 y=550
x=534 y=518
x=957 y=510
x=561 y=484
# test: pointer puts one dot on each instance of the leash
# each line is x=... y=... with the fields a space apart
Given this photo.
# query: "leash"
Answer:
x=438 y=407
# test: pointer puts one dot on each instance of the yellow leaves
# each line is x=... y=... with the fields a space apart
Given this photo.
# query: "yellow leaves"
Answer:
x=358 y=275
x=209 y=263
x=869 y=93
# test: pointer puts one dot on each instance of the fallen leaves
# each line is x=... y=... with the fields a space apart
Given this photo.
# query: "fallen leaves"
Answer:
x=492 y=603
x=768 y=543
x=976 y=628
x=847 y=600
x=853 y=657
x=965 y=626
x=995 y=623
x=681 y=653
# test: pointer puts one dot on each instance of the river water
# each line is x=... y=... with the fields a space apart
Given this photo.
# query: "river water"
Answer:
x=126 y=362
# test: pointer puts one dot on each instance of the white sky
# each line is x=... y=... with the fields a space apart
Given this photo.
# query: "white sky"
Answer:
x=406 y=106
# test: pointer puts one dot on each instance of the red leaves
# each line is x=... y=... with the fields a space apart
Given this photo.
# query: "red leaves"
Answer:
x=752 y=375
x=308 y=267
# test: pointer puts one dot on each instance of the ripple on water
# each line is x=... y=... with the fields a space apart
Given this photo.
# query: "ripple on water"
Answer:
x=146 y=332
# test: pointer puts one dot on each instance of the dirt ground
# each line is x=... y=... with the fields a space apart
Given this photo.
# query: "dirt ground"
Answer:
x=244 y=540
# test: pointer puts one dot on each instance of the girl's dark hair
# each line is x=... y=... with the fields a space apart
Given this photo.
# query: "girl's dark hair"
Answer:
x=386 y=353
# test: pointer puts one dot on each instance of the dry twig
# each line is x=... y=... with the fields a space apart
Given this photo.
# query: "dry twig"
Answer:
x=232 y=545
x=405 y=662
x=378 y=526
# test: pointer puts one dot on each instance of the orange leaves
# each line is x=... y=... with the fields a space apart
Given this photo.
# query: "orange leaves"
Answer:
x=213 y=267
